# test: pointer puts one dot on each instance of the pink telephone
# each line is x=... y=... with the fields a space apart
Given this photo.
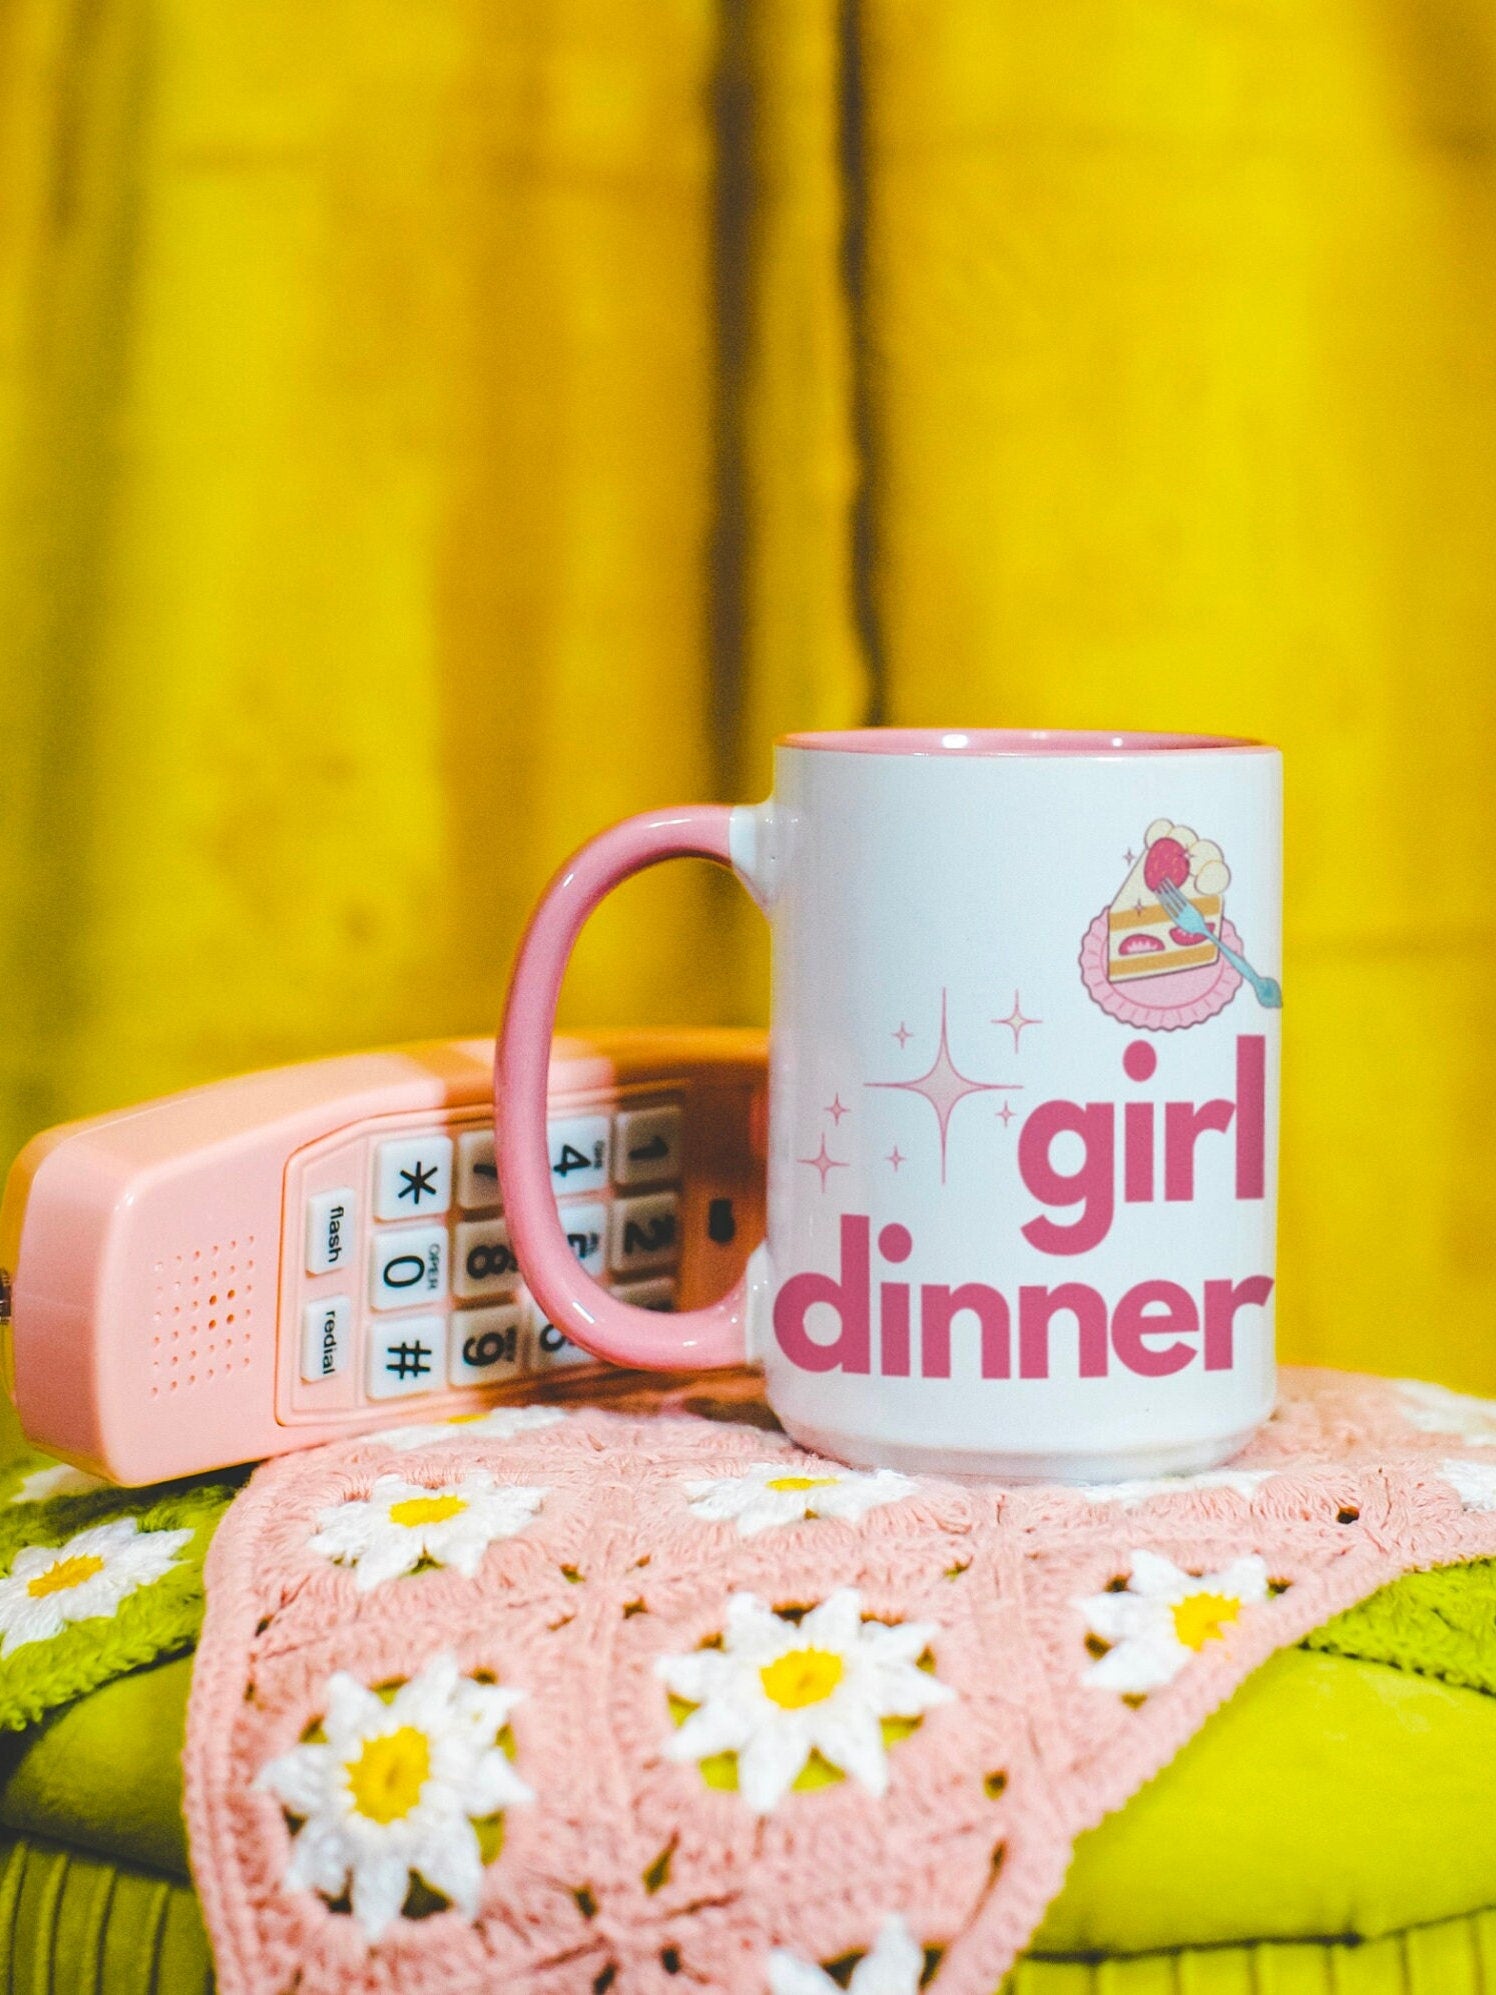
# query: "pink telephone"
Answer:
x=299 y=1254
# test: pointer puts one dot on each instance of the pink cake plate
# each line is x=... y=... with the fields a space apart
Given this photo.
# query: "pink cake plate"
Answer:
x=1160 y=1004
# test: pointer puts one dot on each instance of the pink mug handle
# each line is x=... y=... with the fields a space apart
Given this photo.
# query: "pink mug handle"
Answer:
x=696 y=1339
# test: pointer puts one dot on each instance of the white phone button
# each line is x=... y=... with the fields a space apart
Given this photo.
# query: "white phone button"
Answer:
x=587 y=1234
x=407 y=1266
x=554 y=1349
x=331 y=1227
x=488 y=1345
x=324 y=1336
x=657 y=1293
x=412 y=1177
x=485 y=1263
x=646 y=1145
x=646 y=1232
x=477 y=1174
x=579 y=1153
x=406 y=1357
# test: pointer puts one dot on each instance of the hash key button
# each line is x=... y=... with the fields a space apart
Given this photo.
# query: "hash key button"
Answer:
x=413 y=1177
x=407 y=1356
x=645 y=1232
x=408 y=1266
x=646 y=1145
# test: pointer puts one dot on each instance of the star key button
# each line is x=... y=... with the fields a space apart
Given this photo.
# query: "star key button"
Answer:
x=413 y=1176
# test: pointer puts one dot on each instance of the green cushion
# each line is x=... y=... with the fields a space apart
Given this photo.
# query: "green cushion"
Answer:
x=1342 y=1795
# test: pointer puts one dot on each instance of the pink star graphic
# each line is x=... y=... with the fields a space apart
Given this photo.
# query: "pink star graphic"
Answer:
x=837 y=1109
x=1016 y=1021
x=943 y=1085
x=1005 y=1113
x=903 y=1035
x=1129 y=858
x=824 y=1163
x=897 y=1157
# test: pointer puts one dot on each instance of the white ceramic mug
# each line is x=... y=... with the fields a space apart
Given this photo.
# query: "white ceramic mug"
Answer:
x=1023 y=1099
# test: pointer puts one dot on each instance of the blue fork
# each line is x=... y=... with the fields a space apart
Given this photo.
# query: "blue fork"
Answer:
x=1269 y=990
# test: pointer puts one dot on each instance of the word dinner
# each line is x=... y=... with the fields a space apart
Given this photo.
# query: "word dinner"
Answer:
x=1155 y=1328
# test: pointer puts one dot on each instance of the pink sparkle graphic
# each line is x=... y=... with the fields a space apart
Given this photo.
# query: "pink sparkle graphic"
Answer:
x=903 y=1035
x=944 y=1085
x=837 y=1109
x=1129 y=858
x=824 y=1163
x=1005 y=1115
x=897 y=1157
x=1016 y=1021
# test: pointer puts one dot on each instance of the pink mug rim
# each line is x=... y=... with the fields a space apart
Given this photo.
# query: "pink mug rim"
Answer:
x=1019 y=742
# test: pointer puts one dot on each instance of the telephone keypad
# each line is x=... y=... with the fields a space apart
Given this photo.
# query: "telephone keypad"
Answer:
x=445 y=1303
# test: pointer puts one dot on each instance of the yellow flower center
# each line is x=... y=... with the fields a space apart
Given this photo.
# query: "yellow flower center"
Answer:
x=1200 y=1617
x=387 y=1777
x=418 y=1510
x=804 y=1676
x=65 y=1575
x=801 y=1482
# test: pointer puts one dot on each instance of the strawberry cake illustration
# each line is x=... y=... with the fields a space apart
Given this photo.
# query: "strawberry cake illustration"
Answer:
x=1163 y=954
x=1143 y=938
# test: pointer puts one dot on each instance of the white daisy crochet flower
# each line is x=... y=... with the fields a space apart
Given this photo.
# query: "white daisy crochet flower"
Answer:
x=59 y=1479
x=1164 y=1617
x=395 y=1789
x=400 y=1523
x=1473 y=1482
x=892 y=1966
x=772 y=1493
x=777 y=1691
x=1434 y=1409
x=1129 y=1494
x=499 y=1423
x=87 y=1578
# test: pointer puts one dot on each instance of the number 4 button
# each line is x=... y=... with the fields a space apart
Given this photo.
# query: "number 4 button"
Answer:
x=579 y=1153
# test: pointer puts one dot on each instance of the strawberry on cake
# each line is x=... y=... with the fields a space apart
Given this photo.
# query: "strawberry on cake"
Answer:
x=1142 y=940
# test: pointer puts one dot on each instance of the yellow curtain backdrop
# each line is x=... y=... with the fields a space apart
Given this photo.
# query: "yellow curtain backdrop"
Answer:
x=430 y=430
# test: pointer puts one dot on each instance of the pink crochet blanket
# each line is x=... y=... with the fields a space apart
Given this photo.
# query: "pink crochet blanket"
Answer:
x=642 y=1697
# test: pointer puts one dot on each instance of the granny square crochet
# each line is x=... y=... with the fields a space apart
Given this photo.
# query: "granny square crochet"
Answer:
x=641 y=1697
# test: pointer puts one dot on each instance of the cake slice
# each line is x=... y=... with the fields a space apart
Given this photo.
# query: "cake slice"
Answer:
x=1142 y=940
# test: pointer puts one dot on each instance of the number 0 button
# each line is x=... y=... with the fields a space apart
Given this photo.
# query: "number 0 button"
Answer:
x=408 y=1266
